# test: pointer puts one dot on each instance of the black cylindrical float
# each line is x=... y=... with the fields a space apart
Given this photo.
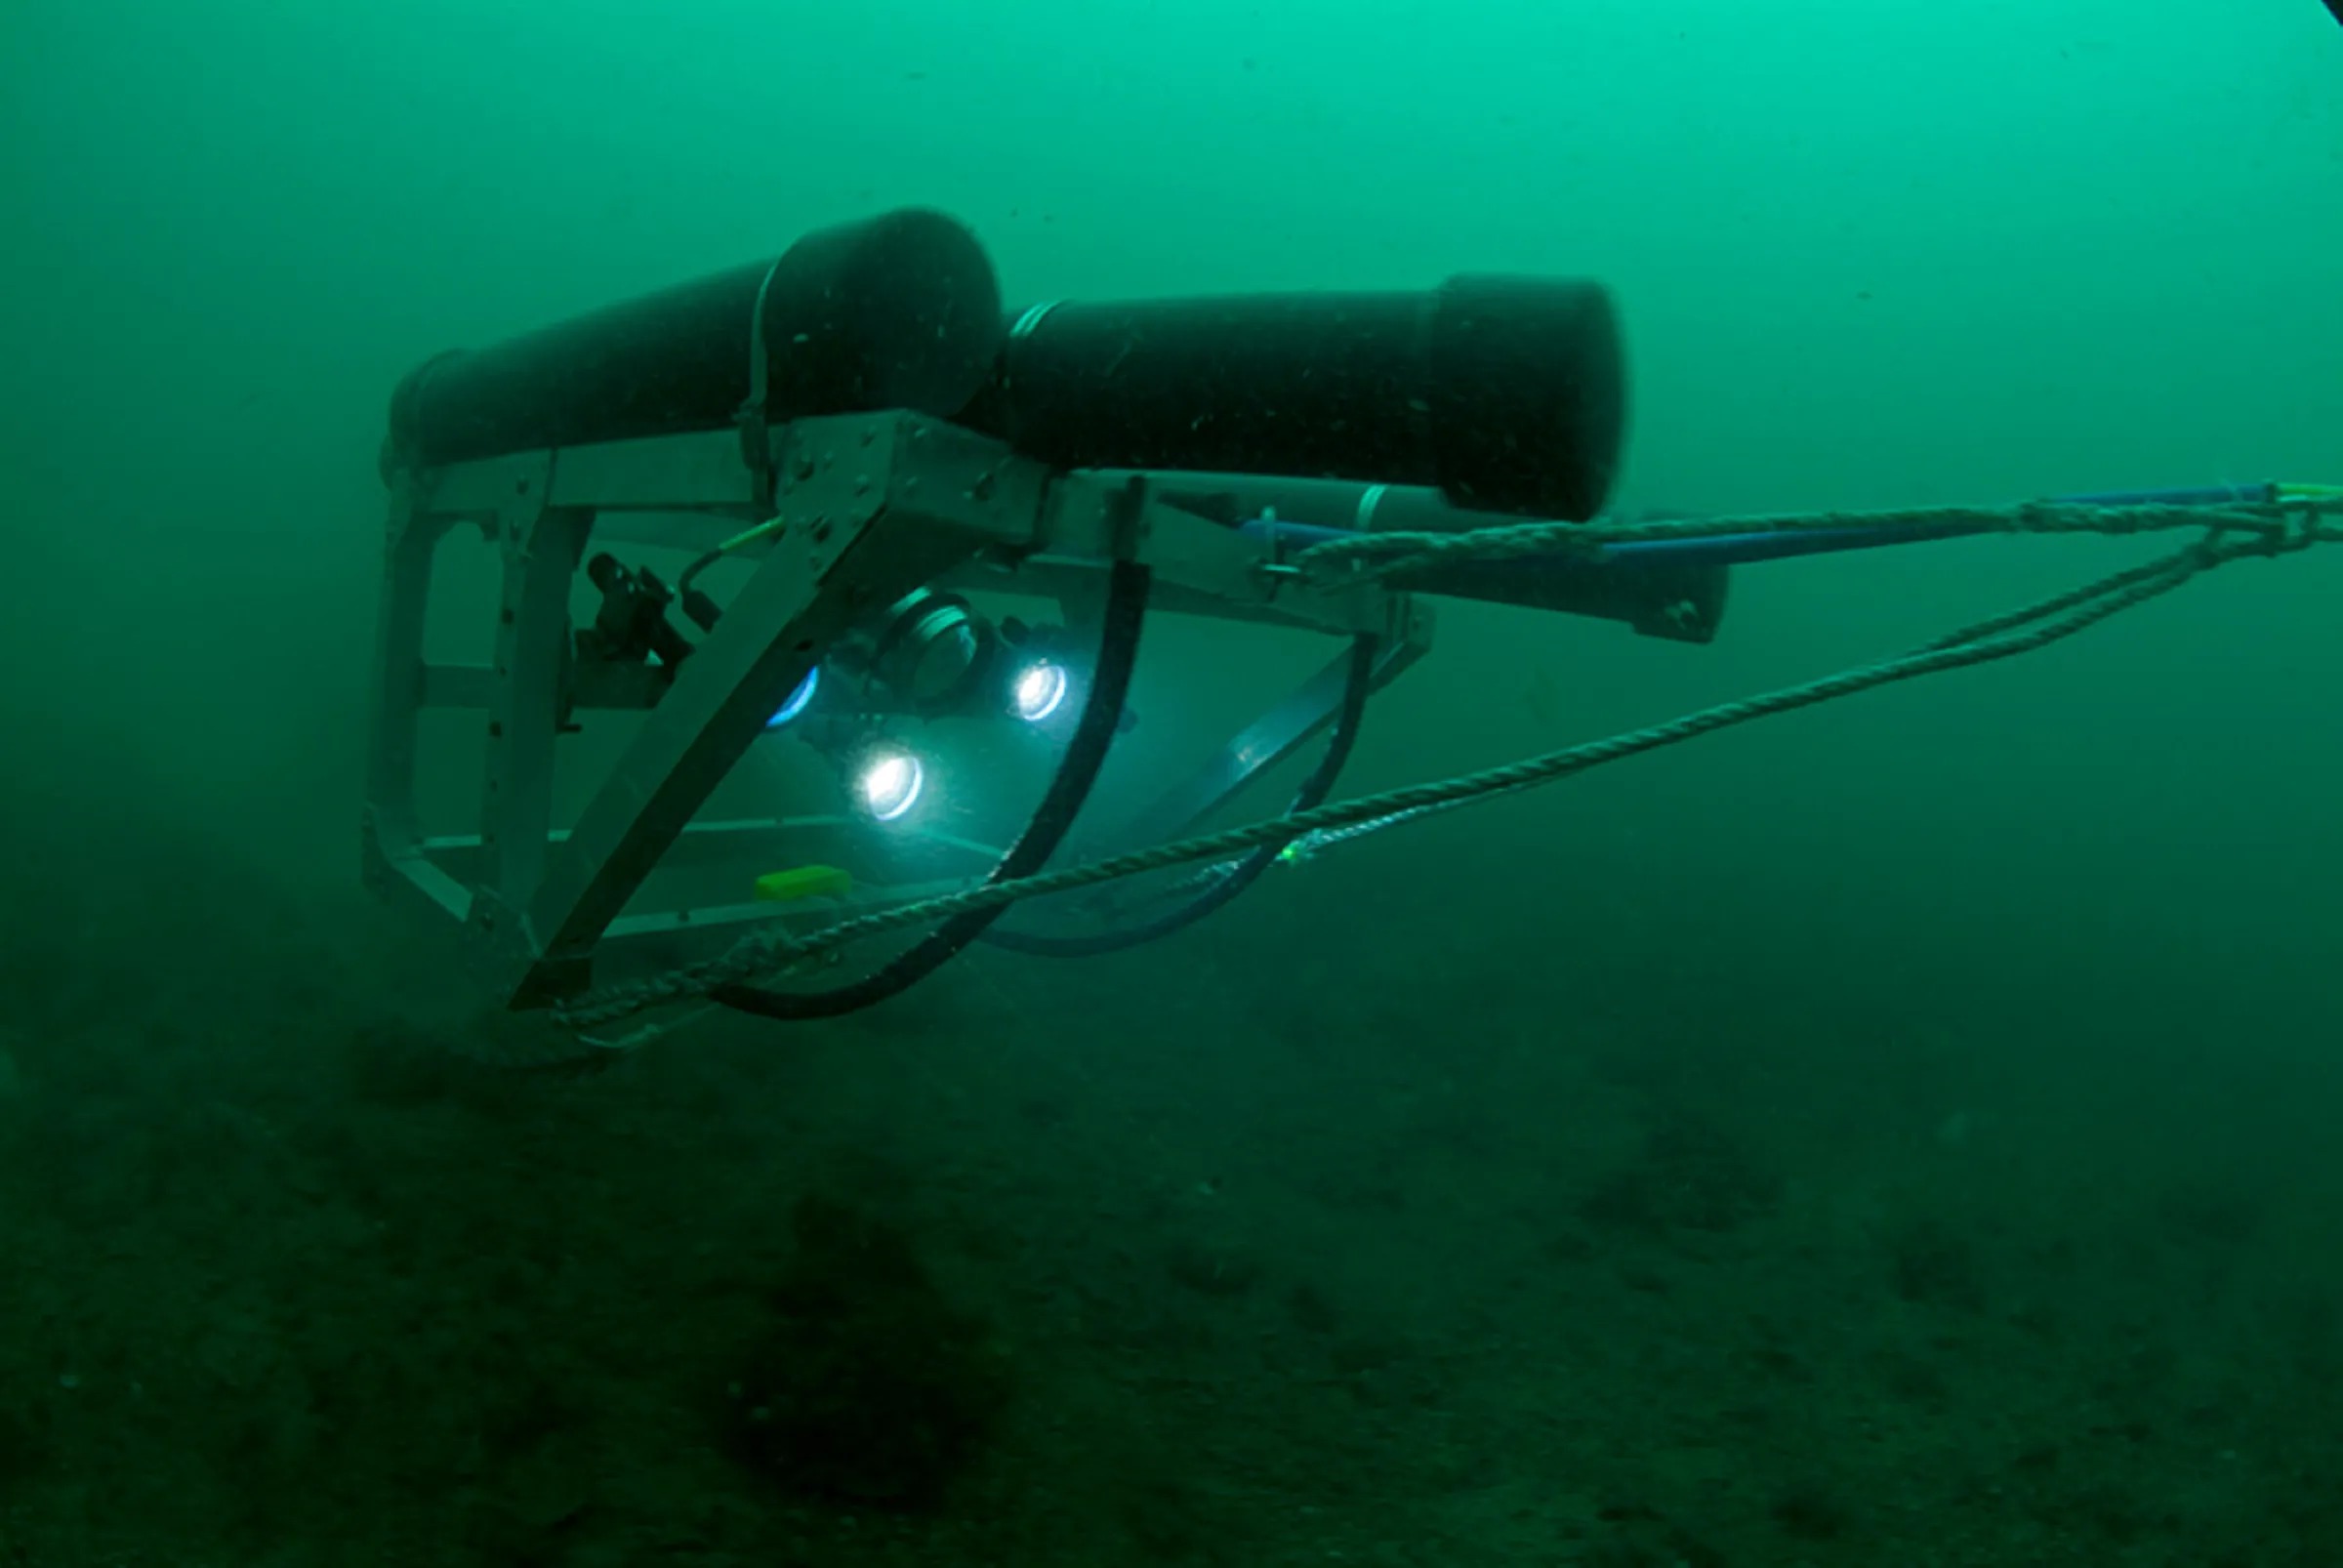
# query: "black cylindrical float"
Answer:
x=1506 y=394
x=901 y=311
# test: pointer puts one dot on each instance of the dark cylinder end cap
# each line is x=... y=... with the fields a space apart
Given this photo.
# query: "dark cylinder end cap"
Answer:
x=1530 y=382
x=903 y=311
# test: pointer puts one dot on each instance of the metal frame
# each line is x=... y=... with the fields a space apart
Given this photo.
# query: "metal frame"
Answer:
x=864 y=508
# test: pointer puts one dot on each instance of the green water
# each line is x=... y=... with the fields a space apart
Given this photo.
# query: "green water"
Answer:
x=1900 y=1133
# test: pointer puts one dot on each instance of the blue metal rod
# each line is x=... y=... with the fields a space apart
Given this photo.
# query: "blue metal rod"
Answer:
x=1735 y=550
x=1738 y=549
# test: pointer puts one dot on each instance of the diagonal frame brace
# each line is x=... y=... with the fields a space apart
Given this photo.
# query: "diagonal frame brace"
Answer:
x=800 y=598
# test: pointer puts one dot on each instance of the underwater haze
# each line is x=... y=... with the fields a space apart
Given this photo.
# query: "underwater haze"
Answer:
x=1899 y=1132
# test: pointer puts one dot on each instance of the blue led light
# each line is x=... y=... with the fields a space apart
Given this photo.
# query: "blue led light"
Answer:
x=798 y=699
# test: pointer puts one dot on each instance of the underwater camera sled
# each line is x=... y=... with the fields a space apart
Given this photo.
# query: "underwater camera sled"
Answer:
x=846 y=459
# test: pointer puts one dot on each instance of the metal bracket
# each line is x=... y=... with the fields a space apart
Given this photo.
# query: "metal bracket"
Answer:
x=642 y=876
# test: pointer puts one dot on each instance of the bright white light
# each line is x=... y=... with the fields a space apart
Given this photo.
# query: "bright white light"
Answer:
x=890 y=784
x=1039 y=691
